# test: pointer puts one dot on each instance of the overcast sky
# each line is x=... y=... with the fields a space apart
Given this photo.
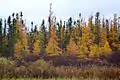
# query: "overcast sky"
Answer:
x=36 y=10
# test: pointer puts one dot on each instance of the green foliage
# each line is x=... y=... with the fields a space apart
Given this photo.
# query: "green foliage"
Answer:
x=1 y=40
x=61 y=35
x=10 y=37
x=97 y=28
x=44 y=36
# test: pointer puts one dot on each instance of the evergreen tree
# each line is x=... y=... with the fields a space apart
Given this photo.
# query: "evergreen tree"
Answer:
x=79 y=29
x=61 y=35
x=44 y=35
x=1 y=44
x=70 y=25
x=5 y=25
x=68 y=30
x=97 y=28
x=31 y=26
x=107 y=27
x=12 y=33
x=31 y=37
x=10 y=42
x=5 y=42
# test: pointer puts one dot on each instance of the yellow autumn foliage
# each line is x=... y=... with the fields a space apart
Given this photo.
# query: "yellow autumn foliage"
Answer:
x=85 y=42
x=105 y=50
x=17 y=50
x=36 y=48
x=21 y=47
x=72 y=48
x=94 y=51
x=52 y=48
x=104 y=46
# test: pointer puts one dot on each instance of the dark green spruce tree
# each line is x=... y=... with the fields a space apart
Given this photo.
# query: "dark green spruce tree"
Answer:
x=1 y=44
x=97 y=28
x=44 y=36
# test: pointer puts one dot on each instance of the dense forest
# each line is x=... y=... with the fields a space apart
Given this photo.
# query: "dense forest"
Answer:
x=63 y=50
x=93 y=38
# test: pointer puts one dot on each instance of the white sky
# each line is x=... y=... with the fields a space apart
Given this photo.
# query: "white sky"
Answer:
x=36 y=10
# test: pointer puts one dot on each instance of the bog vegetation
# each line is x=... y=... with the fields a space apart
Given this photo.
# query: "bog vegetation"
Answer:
x=93 y=39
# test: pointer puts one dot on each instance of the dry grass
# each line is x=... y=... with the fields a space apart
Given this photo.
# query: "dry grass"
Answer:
x=41 y=69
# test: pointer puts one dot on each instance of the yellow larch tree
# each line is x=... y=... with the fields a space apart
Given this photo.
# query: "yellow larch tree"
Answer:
x=38 y=43
x=93 y=48
x=36 y=48
x=113 y=37
x=86 y=46
x=52 y=48
x=17 y=50
x=21 y=47
x=104 y=46
x=72 y=47
x=86 y=42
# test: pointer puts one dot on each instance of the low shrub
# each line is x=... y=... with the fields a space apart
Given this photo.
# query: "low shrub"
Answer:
x=42 y=69
x=102 y=73
x=7 y=67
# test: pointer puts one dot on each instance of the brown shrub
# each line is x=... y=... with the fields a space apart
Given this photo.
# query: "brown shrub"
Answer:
x=41 y=68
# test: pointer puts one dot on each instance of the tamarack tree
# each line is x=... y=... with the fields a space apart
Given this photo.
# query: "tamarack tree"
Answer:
x=21 y=47
x=52 y=48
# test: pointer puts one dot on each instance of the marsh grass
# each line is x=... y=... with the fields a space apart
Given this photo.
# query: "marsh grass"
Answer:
x=42 y=70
